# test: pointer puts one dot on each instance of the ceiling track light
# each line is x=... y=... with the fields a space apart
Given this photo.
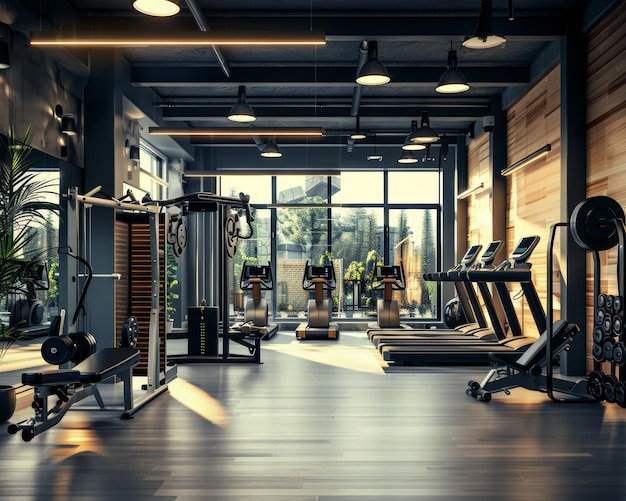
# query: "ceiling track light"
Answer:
x=372 y=72
x=241 y=110
x=271 y=150
x=157 y=8
x=171 y=38
x=484 y=38
x=452 y=81
x=425 y=134
x=357 y=134
x=237 y=131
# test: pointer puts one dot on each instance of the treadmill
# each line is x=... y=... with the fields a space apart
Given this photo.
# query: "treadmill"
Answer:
x=474 y=330
x=466 y=351
x=465 y=292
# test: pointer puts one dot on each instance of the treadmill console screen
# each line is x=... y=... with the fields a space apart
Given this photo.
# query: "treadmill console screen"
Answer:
x=389 y=272
x=257 y=271
x=320 y=271
x=524 y=248
x=470 y=255
x=491 y=250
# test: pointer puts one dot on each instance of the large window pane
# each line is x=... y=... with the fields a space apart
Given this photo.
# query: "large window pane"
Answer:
x=413 y=187
x=258 y=187
x=357 y=244
x=359 y=188
x=304 y=189
x=301 y=237
x=413 y=241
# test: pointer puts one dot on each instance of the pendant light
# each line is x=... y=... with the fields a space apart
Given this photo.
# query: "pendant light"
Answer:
x=357 y=134
x=409 y=145
x=241 y=110
x=425 y=134
x=271 y=150
x=407 y=157
x=452 y=81
x=484 y=38
x=372 y=72
x=158 y=8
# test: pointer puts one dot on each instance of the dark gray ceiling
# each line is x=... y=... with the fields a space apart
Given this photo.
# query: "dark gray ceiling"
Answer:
x=307 y=86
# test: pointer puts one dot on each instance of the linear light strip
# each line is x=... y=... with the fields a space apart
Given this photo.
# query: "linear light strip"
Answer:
x=237 y=131
x=464 y=194
x=526 y=160
x=133 y=39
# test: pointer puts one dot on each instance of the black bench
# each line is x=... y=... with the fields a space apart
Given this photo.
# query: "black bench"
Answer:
x=73 y=385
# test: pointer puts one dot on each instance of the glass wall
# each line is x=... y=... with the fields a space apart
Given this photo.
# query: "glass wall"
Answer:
x=354 y=221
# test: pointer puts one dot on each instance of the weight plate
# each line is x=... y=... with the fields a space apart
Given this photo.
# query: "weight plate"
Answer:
x=619 y=353
x=591 y=223
x=130 y=332
x=597 y=352
x=617 y=325
x=594 y=385
x=231 y=230
x=620 y=393
x=601 y=300
x=607 y=325
x=58 y=350
x=85 y=346
x=609 y=302
x=607 y=350
x=617 y=304
x=598 y=335
x=600 y=316
x=609 y=387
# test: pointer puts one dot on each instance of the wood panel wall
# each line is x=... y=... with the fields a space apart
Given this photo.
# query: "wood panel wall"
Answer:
x=606 y=135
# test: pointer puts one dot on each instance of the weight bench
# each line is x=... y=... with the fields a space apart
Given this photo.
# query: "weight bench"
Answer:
x=73 y=385
x=527 y=371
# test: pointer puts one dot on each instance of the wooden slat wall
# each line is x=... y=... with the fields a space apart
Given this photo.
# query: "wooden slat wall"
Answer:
x=479 y=225
x=606 y=135
x=134 y=291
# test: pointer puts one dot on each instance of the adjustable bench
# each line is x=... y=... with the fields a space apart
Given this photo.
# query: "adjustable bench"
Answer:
x=73 y=385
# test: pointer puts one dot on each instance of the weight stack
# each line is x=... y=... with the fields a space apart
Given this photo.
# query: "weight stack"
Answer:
x=203 y=331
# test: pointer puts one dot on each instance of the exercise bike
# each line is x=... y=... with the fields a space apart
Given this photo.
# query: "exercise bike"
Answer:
x=321 y=279
x=256 y=278
x=389 y=278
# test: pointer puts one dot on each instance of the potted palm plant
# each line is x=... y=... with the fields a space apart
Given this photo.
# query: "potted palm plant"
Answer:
x=21 y=196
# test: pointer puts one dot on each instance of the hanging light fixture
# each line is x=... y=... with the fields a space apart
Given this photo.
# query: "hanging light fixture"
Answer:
x=484 y=38
x=357 y=134
x=271 y=150
x=160 y=8
x=425 y=134
x=5 y=60
x=241 y=110
x=372 y=72
x=408 y=142
x=407 y=157
x=452 y=81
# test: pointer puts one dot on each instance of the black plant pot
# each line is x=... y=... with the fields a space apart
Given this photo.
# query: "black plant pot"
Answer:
x=7 y=402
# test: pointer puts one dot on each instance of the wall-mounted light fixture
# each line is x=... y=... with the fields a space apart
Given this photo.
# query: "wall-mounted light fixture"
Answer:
x=526 y=160
x=241 y=110
x=68 y=124
x=372 y=72
x=134 y=152
x=5 y=60
x=271 y=150
x=465 y=194
x=237 y=131
x=160 y=8
x=452 y=81
x=484 y=38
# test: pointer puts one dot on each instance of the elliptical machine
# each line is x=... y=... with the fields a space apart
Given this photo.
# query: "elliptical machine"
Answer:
x=321 y=279
x=389 y=278
x=257 y=278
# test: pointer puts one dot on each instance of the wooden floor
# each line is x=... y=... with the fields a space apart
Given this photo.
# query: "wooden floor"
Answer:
x=321 y=420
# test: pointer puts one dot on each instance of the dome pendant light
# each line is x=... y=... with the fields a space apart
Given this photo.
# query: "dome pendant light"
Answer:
x=407 y=157
x=425 y=134
x=409 y=145
x=271 y=150
x=159 y=8
x=484 y=38
x=372 y=72
x=357 y=134
x=452 y=81
x=241 y=110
